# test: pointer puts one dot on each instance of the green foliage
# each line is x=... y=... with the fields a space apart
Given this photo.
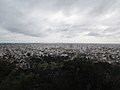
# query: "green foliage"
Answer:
x=77 y=74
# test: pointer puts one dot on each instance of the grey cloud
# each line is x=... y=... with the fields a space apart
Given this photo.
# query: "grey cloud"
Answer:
x=14 y=17
x=93 y=34
x=108 y=32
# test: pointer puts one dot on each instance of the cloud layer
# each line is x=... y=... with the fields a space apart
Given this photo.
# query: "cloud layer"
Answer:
x=60 y=20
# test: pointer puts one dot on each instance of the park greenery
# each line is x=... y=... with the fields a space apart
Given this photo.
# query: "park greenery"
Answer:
x=48 y=73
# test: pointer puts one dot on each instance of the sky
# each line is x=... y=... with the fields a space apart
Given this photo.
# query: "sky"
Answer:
x=60 y=21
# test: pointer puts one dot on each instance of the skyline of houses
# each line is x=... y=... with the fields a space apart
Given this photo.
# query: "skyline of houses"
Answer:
x=21 y=53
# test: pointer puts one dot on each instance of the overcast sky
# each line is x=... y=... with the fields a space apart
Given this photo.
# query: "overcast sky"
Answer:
x=67 y=21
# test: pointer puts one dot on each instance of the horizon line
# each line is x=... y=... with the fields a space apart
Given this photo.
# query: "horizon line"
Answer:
x=51 y=43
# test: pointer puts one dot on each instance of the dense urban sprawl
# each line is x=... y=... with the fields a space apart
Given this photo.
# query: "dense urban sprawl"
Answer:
x=59 y=66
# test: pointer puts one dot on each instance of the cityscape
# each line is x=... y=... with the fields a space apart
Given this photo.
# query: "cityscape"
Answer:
x=19 y=53
x=52 y=66
x=59 y=44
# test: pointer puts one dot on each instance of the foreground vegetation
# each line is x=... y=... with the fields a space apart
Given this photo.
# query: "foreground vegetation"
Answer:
x=77 y=74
